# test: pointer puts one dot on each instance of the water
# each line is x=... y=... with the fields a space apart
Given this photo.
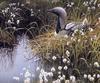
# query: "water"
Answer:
x=14 y=64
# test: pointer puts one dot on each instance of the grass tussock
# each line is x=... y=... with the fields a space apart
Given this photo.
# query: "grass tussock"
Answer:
x=82 y=50
x=48 y=43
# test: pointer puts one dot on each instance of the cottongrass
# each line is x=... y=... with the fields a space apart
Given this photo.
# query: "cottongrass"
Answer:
x=54 y=57
x=56 y=81
x=96 y=64
x=26 y=74
x=73 y=79
x=43 y=76
x=53 y=69
x=27 y=80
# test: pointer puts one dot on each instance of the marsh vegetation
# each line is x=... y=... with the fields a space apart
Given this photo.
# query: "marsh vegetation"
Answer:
x=70 y=59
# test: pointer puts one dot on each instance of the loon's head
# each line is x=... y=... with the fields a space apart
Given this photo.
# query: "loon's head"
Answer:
x=59 y=11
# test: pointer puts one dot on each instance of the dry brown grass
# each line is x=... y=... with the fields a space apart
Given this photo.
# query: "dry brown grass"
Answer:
x=84 y=50
x=48 y=43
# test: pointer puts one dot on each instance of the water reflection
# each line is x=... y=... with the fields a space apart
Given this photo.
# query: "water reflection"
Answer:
x=18 y=64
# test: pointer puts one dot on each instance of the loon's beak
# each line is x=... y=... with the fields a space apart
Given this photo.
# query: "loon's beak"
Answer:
x=53 y=11
x=50 y=10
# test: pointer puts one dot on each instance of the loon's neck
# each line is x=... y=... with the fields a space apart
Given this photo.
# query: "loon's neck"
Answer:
x=60 y=24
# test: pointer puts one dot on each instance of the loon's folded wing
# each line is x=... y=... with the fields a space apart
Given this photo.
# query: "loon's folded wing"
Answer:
x=69 y=26
x=79 y=26
x=75 y=25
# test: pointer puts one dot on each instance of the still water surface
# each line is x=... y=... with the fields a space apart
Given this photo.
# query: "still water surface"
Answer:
x=14 y=63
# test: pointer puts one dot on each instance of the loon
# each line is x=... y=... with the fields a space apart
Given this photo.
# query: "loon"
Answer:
x=67 y=29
